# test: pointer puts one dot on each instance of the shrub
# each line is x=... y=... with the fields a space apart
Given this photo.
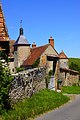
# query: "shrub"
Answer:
x=5 y=80
x=19 y=69
x=3 y=56
x=50 y=72
x=36 y=63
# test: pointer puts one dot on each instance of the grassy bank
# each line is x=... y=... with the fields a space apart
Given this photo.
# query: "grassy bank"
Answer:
x=71 y=89
x=39 y=103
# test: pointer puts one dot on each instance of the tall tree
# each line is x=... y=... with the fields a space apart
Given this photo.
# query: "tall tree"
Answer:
x=74 y=63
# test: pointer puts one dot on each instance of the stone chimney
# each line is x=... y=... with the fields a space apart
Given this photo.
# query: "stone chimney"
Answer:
x=51 y=41
x=33 y=45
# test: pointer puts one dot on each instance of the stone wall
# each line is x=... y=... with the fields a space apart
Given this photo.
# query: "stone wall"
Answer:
x=21 y=53
x=68 y=77
x=26 y=83
x=11 y=65
x=63 y=63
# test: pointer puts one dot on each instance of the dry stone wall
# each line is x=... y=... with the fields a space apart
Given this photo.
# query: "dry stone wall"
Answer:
x=26 y=83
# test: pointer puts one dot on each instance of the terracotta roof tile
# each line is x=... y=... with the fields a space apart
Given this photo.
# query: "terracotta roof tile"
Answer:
x=3 y=29
x=63 y=55
x=35 y=54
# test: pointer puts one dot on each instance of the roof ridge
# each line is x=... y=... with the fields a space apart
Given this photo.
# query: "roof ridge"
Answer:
x=41 y=46
x=35 y=53
x=62 y=55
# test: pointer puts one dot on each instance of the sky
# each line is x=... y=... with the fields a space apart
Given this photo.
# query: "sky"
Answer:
x=44 y=18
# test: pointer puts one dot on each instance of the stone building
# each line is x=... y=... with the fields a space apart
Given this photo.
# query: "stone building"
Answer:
x=67 y=76
x=21 y=49
x=43 y=54
x=63 y=60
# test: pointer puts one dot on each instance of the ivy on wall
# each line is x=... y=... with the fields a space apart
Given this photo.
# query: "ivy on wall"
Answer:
x=36 y=63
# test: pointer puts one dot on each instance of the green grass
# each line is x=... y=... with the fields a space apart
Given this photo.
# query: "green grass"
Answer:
x=71 y=89
x=39 y=103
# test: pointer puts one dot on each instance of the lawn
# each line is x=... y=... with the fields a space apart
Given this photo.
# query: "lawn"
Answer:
x=39 y=103
x=71 y=89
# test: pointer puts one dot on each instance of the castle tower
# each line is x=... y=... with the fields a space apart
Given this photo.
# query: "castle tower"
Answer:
x=21 y=49
x=4 y=37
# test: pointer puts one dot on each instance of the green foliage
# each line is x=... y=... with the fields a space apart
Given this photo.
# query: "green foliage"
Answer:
x=18 y=69
x=39 y=103
x=47 y=78
x=3 y=56
x=71 y=89
x=36 y=63
x=5 y=80
x=74 y=63
x=50 y=72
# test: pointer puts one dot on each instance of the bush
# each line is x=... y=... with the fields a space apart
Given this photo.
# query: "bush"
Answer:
x=50 y=72
x=36 y=63
x=3 y=56
x=5 y=80
x=19 y=69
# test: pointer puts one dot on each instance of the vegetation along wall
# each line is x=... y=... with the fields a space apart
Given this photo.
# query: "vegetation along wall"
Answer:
x=26 y=83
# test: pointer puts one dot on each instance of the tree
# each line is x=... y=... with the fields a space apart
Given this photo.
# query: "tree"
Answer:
x=3 y=56
x=74 y=66
x=74 y=63
x=5 y=80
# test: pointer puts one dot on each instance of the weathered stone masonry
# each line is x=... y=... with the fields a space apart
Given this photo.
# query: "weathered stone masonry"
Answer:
x=26 y=83
x=69 y=77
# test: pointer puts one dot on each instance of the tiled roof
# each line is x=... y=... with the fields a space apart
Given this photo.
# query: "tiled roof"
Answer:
x=69 y=70
x=3 y=29
x=21 y=40
x=35 y=54
x=63 y=55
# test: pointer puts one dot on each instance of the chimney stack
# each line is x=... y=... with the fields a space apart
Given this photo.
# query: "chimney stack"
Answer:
x=51 y=41
x=33 y=45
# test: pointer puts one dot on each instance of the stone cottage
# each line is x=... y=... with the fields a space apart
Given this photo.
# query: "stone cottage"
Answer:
x=67 y=76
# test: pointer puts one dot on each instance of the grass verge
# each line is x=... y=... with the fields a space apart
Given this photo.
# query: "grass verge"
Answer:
x=39 y=103
x=71 y=89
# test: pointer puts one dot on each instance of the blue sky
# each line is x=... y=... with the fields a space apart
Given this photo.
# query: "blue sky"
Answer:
x=44 y=18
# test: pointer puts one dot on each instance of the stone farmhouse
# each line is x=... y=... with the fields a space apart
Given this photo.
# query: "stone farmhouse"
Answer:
x=22 y=55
